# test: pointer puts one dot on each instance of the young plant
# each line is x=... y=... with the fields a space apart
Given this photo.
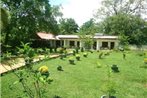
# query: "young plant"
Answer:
x=59 y=68
x=98 y=65
x=85 y=54
x=100 y=55
x=71 y=60
x=40 y=79
x=78 y=57
x=109 y=86
x=114 y=68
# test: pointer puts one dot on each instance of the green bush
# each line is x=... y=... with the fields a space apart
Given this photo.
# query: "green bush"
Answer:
x=85 y=54
x=71 y=60
x=78 y=57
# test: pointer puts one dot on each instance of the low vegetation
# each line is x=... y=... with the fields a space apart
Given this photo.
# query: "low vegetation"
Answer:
x=88 y=78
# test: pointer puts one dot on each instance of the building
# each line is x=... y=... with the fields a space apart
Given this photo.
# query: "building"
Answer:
x=70 y=41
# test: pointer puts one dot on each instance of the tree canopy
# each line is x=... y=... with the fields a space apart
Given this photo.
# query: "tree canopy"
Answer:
x=114 y=7
x=89 y=27
x=124 y=17
x=27 y=18
x=68 y=26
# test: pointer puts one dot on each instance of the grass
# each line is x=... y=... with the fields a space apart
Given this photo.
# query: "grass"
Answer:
x=85 y=80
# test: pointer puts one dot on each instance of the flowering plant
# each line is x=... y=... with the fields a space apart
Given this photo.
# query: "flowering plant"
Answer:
x=43 y=69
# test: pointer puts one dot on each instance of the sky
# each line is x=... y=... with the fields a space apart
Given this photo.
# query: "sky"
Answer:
x=80 y=10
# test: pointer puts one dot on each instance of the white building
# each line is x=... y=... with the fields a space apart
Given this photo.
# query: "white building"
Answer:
x=100 y=41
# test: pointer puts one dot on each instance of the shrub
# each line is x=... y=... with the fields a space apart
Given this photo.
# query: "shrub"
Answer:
x=78 y=57
x=85 y=54
x=100 y=55
x=99 y=65
x=43 y=69
x=77 y=50
x=60 y=50
x=59 y=68
x=71 y=60
x=82 y=49
x=109 y=89
x=74 y=52
x=114 y=68
x=145 y=60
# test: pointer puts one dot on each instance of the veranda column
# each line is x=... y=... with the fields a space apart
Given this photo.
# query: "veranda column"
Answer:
x=97 y=45
x=109 y=44
x=75 y=43
x=81 y=44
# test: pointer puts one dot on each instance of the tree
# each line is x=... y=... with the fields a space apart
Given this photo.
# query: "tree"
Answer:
x=27 y=18
x=68 y=26
x=124 y=17
x=114 y=7
x=89 y=27
x=5 y=17
x=127 y=25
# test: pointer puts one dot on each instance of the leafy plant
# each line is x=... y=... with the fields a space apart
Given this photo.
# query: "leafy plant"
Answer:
x=114 y=68
x=71 y=60
x=85 y=54
x=98 y=65
x=78 y=57
x=40 y=79
x=100 y=55
x=59 y=68
x=145 y=60
x=28 y=52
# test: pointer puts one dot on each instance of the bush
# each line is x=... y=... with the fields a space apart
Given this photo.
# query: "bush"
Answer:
x=100 y=55
x=114 y=68
x=85 y=54
x=78 y=57
x=145 y=60
x=59 y=68
x=71 y=60
x=99 y=65
x=82 y=49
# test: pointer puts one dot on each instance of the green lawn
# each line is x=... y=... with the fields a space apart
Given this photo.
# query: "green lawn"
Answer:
x=85 y=80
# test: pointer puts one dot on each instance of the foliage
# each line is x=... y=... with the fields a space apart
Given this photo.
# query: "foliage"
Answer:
x=99 y=65
x=5 y=18
x=145 y=60
x=87 y=41
x=114 y=68
x=122 y=22
x=88 y=28
x=78 y=57
x=59 y=68
x=114 y=7
x=100 y=55
x=43 y=69
x=68 y=26
x=85 y=77
x=27 y=18
x=85 y=54
x=71 y=60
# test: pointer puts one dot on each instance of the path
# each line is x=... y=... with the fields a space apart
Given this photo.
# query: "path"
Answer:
x=5 y=68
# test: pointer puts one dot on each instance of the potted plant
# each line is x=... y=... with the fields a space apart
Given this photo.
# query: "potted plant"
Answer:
x=78 y=57
x=85 y=54
x=71 y=60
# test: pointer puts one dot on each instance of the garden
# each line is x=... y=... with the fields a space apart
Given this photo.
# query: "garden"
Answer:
x=88 y=74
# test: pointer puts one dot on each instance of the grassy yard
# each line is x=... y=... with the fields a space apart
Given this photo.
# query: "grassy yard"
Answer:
x=85 y=80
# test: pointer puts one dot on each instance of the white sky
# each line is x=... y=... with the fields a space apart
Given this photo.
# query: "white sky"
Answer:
x=80 y=10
